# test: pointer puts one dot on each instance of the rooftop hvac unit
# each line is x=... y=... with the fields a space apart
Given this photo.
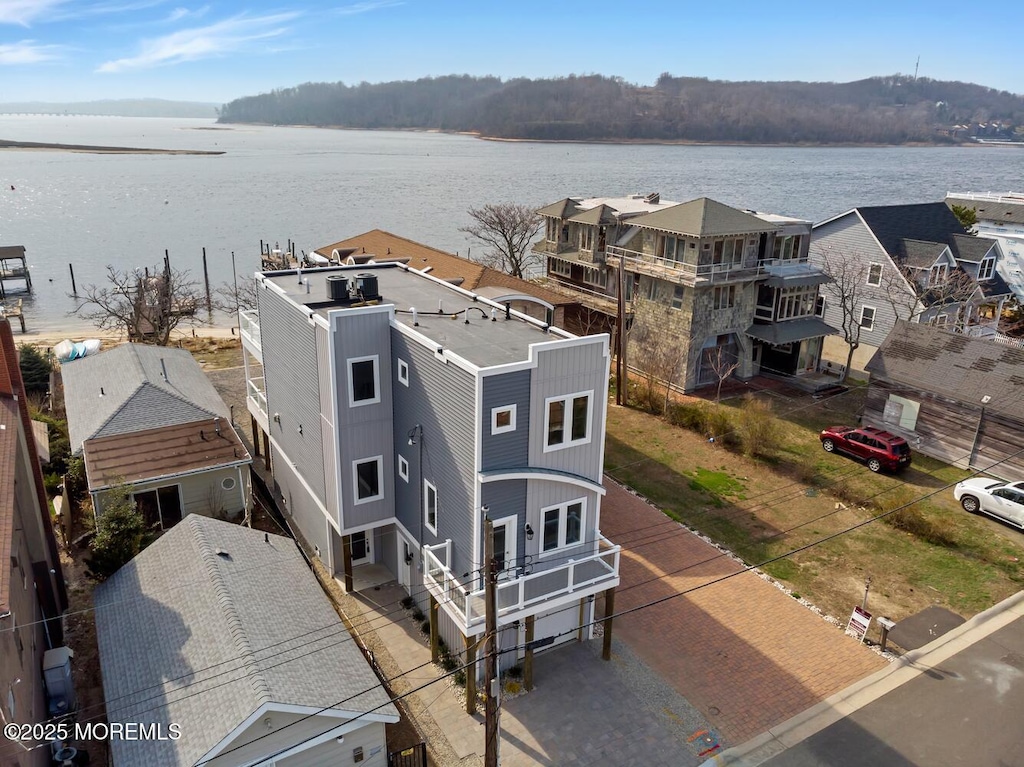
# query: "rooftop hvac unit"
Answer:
x=337 y=287
x=367 y=286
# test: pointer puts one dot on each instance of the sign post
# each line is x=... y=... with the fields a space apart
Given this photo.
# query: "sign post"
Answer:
x=859 y=622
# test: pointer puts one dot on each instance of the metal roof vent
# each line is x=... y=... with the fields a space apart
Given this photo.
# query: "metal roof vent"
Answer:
x=222 y=553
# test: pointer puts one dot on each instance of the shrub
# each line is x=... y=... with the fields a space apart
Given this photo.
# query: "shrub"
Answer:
x=911 y=519
x=75 y=482
x=717 y=425
x=448 y=663
x=515 y=672
x=35 y=368
x=756 y=428
x=417 y=615
x=408 y=602
x=120 y=535
x=459 y=677
x=425 y=627
x=687 y=415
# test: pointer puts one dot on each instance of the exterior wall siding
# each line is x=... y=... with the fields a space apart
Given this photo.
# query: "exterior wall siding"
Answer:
x=509 y=449
x=291 y=729
x=850 y=238
x=370 y=738
x=327 y=425
x=505 y=499
x=441 y=400
x=366 y=429
x=542 y=494
x=293 y=385
x=563 y=371
x=301 y=507
x=202 y=493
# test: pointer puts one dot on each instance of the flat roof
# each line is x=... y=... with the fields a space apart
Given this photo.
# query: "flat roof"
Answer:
x=441 y=311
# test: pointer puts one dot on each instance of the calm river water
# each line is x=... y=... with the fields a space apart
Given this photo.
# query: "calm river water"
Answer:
x=319 y=186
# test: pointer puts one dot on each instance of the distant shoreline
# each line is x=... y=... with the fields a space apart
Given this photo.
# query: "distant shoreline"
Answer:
x=83 y=148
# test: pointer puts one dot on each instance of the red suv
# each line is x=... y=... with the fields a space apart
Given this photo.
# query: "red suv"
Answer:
x=878 y=448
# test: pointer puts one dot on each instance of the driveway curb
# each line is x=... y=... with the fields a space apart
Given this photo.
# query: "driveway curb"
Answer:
x=800 y=727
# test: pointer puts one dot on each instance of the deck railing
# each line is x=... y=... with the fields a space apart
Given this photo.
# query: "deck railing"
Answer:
x=519 y=592
x=258 y=394
x=249 y=325
x=671 y=269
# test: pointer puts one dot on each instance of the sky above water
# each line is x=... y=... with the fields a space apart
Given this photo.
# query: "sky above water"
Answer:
x=77 y=50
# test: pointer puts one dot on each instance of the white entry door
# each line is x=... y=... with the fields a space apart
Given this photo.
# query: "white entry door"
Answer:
x=505 y=532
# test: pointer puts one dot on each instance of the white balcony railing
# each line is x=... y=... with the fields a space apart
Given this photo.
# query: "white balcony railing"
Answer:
x=516 y=595
x=670 y=269
x=257 y=390
x=249 y=325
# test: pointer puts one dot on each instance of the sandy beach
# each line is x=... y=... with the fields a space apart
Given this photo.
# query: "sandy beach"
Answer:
x=49 y=337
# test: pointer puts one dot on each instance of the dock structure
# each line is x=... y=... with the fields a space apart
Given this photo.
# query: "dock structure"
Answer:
x=14 y=268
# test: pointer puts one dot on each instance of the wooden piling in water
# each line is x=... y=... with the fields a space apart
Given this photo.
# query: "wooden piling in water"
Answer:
x=206 y=279
x=74 y=288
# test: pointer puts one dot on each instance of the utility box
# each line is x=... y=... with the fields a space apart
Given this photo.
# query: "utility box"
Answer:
x=60 y=689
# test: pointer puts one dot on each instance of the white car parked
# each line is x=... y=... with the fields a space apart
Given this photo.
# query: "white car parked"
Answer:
x=1002 y=500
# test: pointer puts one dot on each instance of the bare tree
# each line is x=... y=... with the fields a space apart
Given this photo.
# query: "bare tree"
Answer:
x=146 y=306
x=659 y=357
x=849 y=276
x=232 y=297
x=506 y=229
x=911 y=293
x=723 y=364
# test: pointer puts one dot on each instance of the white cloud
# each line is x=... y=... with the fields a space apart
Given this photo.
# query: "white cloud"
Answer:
x=183 y=13
x=26 y=52
x=366 y=7
x=226 y=36
x=24 y=12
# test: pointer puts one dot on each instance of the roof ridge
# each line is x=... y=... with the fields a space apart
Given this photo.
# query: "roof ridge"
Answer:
x=117 y=410
x=254 y=673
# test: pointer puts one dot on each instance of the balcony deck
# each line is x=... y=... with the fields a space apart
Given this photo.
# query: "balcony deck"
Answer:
x=249 y=325
x=680 y=271
x=521 y=595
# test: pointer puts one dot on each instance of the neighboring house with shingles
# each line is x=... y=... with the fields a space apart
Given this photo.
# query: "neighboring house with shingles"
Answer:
x=379 y=246
x=910 y=262
x=32 y=592
x=1000 y=217
x=223 y=631
x=955 y=398
x=395 y=429
x=148 y=417
x=717 y=282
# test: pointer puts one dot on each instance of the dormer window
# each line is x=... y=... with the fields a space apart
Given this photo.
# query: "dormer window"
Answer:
x=987 y=269
x=938 y=274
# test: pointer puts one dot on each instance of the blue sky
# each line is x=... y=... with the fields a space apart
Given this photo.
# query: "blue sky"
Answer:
x=217 y=50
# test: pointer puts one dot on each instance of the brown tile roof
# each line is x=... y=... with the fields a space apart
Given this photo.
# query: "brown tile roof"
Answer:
x=162 y=452
x=445 y=266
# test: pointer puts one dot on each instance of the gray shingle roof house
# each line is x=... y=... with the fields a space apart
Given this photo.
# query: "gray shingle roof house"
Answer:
x=912 y=262
x=224 y=631
x=148 y=417
x=1000 y=217
x=955 y=398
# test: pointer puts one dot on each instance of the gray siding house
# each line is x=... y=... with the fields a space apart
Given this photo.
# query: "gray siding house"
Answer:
x=909 y=262
x=146 y=418
x=250 y=662
x=401 y=411
x=724 y=285
x=1000 y=217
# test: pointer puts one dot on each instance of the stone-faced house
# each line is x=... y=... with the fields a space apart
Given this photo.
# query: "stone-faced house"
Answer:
x=910 y=262
x=718 y=283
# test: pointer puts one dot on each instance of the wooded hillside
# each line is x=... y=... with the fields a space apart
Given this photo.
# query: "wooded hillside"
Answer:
x=883 y=110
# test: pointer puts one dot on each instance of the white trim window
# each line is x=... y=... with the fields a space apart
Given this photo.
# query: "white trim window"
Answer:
x=403 y=371
x=567 y=420
x=867 y=318
x=561 y=267
x=938 y=274
x=875 y=274
x=562 y=526
x=724 y=297
x=819 y=306
x=986 y=269
x=677 y=297
x=403 y=468
x=595 y=275
x=503 y=419
x=367 y=479
x=430 y=507
x=363 y=380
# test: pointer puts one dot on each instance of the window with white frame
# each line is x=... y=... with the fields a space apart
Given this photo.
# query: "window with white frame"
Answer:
x=728 y=251
x=567 y=421
x=595 y=275
x=403 y=372
x=652 y=289
x=366 y=479
x=586 y=238
x=796 y=302
x=403 y=468
x=430 y=507
x=562 y=525
x=724 y=297
x=563 y=268
x=819 y=306
x=867 y=317
x=938 y=274
x=987 y=269
x=503 y=419
x=875 y=274
x=677 y=297
x=551 y=229
x=363 y=381
x=941 y=320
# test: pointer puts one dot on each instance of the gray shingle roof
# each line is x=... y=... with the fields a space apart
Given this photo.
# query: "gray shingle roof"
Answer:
x=917 y=253
x=952 y=365
x=602 y=214
x=928 y=222
x=210 y=623
x=703 y=217
x=968 y=248
x=135 y=394
x=564 y=208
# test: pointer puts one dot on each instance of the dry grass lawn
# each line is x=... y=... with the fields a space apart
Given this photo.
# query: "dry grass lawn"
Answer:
x=761 y=509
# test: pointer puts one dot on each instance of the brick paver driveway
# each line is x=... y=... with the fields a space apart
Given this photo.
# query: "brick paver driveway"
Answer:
x=742 y=652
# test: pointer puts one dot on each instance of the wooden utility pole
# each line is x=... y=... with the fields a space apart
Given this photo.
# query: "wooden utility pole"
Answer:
x=621 y=397
x=490 y=661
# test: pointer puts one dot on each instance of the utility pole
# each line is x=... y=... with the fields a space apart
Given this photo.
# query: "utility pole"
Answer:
x=490 y=659
x=621 y=397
